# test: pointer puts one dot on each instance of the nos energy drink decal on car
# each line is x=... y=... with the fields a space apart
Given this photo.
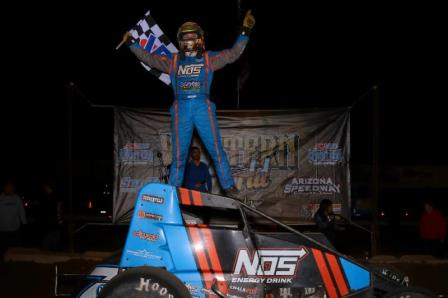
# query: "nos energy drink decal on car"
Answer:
x=267 y=265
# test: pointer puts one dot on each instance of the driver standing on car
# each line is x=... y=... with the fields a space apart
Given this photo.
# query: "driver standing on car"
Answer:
x=191 y=72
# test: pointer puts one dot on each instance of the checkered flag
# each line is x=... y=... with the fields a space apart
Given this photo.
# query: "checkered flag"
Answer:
x=148 y=35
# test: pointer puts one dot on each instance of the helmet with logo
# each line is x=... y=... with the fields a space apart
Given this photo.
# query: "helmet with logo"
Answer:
x=190 y=37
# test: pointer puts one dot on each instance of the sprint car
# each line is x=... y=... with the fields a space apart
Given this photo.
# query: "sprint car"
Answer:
x=184 y=243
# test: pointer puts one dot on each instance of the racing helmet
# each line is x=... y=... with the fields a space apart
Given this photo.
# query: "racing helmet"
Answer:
x=190 y=37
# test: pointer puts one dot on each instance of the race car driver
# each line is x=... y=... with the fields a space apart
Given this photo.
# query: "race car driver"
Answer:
x=191 y=72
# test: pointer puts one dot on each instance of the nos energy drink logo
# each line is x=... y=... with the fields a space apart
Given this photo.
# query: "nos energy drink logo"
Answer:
x=325 y=154
x=190 y=70
x=136 y=152
x=269 y=262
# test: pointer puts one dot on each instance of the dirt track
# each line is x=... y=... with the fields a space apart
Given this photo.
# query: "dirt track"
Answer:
x=30 y=280
x=430 y=276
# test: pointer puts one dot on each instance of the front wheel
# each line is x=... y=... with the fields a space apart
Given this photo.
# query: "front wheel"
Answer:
x=145 y=282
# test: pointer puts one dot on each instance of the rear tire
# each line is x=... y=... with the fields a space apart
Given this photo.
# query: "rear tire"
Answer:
x=145 y=282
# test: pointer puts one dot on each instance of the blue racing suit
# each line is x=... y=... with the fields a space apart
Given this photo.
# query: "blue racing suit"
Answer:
x=191 y=78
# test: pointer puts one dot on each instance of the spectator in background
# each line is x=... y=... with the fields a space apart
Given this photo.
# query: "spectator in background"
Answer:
x=50 y=217
x=197 y=176
x=325 y=220
x=12 y=215
x=432 y=229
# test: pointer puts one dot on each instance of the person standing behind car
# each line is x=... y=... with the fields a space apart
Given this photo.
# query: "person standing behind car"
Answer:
x=325 y=220
x=197 y=176
x=12 y=216
x=50 y=217
x=432 y=229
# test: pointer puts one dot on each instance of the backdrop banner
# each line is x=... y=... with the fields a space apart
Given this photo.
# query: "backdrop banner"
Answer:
x=283 y=162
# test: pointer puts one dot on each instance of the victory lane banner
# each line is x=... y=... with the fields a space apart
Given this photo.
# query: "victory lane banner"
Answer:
x=283 y=162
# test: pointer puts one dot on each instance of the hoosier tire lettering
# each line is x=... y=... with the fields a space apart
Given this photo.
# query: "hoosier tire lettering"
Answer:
x=145 y=282
x=155 y=287
x=164 y=291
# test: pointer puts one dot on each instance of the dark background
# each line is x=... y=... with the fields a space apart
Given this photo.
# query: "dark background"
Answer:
x=299 y=56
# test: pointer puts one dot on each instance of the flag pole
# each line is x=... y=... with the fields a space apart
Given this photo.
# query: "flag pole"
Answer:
x=120 y=44
x=125 y=37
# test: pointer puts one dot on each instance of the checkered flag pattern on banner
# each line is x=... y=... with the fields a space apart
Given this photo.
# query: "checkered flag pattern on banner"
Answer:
x=151 y=38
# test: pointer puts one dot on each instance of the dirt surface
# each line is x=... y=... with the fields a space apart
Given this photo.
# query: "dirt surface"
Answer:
x=430 y=276
x=29 y=280
x=26 y=279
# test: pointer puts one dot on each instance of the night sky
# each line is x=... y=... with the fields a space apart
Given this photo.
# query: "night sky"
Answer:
x=299 y=57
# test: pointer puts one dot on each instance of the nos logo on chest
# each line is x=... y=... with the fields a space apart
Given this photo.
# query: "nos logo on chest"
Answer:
x=190 y=69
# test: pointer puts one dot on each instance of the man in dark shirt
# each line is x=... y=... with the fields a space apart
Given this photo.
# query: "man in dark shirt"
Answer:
x=325 y=220
x=50 y=217
x=197 y=176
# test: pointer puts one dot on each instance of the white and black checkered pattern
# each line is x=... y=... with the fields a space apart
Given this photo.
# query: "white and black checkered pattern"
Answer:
x=142 y=31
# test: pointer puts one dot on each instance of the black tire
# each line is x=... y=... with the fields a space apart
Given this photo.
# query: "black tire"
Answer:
x=145 y=282
x=410 y=292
